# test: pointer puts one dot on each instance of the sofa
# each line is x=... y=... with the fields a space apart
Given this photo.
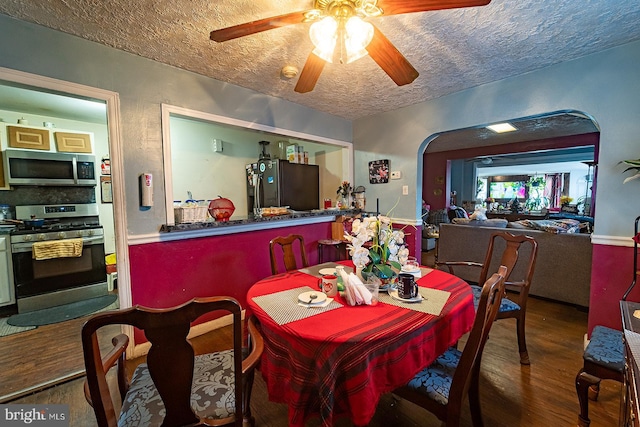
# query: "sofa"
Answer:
x=563 y=265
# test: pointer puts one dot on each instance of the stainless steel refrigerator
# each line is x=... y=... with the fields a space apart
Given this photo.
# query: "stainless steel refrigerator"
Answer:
x=280 y=183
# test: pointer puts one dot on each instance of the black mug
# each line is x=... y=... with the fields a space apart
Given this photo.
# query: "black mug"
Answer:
x=407 y=286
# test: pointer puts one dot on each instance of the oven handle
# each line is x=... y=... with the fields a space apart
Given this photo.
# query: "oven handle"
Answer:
x=28 y=246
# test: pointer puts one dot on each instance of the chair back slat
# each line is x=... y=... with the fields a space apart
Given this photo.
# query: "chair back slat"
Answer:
x=513 y=253
x=289 y=245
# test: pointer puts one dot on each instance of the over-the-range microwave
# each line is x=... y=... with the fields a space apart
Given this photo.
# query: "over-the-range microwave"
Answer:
x=44 y=168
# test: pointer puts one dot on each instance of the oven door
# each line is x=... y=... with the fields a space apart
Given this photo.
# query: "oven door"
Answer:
x=37 y=277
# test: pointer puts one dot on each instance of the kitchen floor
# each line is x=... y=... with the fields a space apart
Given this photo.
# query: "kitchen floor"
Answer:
x=41 y=356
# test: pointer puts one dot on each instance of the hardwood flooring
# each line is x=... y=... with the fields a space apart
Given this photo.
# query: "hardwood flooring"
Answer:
x=542 y=394
x=41 y=357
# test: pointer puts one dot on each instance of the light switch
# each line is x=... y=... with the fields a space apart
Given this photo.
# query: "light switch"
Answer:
x=405 y=190
x=396 y=174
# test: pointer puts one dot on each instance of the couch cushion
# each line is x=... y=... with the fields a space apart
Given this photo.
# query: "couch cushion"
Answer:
x=492 y=222
x=555 y=226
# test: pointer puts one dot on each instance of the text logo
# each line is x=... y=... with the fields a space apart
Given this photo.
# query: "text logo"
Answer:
x=34 y=415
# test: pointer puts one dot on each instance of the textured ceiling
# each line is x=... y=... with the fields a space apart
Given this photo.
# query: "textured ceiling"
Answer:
x=452 y=49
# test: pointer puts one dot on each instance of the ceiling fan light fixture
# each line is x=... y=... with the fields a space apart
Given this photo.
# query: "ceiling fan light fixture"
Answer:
x=323 y=35
x=357 y=36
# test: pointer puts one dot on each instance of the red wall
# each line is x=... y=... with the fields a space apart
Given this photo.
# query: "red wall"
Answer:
x=611 y=275
x=164 y=274
x=435 y=173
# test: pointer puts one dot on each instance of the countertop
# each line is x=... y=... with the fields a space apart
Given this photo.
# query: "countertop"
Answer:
x=237 y=220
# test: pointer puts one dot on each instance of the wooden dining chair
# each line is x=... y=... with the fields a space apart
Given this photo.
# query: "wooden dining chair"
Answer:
x=603 y=359
x=288 y=244
x=442 y=387
x=174 y=387
x=513 y=253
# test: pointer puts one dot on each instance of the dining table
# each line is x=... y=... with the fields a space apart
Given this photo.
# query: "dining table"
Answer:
x=333 y=360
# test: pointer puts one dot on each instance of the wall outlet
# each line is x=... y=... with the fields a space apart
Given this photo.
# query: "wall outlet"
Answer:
x=396 y=175
x=405 y=190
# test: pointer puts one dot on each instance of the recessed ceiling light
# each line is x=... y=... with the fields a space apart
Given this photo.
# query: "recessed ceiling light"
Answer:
x=502 y=127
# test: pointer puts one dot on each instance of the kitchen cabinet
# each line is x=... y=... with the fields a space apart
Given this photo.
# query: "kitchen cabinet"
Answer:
x=30 y=138
x=73 y=142
x=6 y=272
x=3 y=180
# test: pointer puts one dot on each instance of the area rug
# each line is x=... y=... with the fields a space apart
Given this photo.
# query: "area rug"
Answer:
x=62 y=312
x=6 y=330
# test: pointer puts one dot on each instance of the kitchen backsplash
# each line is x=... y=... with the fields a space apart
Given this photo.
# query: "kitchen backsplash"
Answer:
x=25 y=195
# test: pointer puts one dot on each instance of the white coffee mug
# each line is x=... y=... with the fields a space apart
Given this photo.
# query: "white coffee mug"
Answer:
x=329 y=284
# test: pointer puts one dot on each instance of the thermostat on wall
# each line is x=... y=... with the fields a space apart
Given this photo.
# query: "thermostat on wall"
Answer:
x=396 y=175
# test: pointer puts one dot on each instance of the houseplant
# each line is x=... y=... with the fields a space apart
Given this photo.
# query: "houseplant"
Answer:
x=384 y=255
x=536 y=200
x=633 y=165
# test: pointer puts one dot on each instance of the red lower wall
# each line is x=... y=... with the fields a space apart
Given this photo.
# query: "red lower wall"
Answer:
x=611 y=275
x=165 y=274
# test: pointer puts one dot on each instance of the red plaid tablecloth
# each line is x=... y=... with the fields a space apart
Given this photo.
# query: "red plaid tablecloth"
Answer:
x=339 y=362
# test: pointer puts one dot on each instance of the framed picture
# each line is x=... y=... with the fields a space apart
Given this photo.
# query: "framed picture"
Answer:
x=379 y=172
x=105 y=189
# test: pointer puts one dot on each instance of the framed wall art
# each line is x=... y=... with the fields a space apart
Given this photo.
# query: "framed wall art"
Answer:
x=379 y=172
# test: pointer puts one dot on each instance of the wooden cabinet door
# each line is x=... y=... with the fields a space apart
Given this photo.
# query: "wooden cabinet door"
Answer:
x=35 y=139
x=3 y=182
x=73 y=142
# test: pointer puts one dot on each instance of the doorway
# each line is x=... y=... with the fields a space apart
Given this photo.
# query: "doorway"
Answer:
x=47 y=346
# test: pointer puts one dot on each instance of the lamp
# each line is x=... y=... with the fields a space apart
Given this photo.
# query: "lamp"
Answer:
x=353 y=33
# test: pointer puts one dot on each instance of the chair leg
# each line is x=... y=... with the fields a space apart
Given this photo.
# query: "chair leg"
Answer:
x=247 y=419
x=584 y=382
x=522 y=341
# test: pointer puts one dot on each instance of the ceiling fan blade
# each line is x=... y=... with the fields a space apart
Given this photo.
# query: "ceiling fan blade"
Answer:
x=390 y=59
x=310 y=73
x=258 y=26
x=396 y=7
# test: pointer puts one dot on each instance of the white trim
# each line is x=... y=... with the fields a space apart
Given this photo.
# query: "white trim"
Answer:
x=406 y=221
x=168 y=110
x=611 y=240
x=141 y=239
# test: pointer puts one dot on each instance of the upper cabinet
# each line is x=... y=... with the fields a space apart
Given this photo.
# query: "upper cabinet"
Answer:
x=45 y=139
x=30 y=138
x=73 y=142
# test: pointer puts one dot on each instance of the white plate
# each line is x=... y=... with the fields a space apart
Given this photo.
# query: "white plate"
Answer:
x=305 y=297
x=394 y=295
x=407 y=269
x=327 y=271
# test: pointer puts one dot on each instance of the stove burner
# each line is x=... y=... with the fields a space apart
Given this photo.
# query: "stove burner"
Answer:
x=56 y=225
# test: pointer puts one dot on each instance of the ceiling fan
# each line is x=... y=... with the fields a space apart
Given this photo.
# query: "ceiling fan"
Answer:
x=340 y=31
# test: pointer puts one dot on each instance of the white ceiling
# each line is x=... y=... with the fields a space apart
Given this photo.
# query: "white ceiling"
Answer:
x=452 y=49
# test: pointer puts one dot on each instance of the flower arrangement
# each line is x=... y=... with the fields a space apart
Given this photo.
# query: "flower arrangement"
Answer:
x=387 y=248
x=633 y=165
x=345 y=189
x=565 y=200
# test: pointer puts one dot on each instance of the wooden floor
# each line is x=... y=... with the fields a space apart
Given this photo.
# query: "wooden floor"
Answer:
x=39 y=357
x=542 y=394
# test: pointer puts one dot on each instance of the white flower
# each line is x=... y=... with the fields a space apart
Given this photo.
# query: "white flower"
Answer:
x=360 y=256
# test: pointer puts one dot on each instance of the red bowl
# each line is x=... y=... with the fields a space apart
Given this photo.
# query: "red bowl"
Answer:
x=221 y=209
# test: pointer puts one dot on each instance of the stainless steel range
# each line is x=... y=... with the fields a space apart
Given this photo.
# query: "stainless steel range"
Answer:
x=44 y=283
